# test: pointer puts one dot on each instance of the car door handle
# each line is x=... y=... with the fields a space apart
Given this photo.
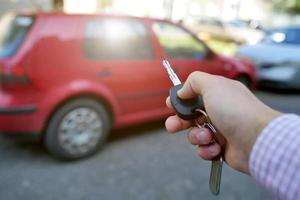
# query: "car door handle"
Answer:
x=104 y=73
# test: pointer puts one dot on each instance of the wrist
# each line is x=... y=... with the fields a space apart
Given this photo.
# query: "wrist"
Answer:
x=261 y=124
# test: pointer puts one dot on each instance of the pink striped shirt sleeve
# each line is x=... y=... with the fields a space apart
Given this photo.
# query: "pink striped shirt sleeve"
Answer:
x=275 y=158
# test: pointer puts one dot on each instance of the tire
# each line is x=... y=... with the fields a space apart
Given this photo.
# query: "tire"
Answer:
x=77 y=129
x=245 y=80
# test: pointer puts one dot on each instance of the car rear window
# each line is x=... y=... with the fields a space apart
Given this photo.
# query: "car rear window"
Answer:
x=117 y=39
x=177 y=42
x=13 y=31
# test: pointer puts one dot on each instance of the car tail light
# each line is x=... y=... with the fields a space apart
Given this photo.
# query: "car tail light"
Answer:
x=13 y=75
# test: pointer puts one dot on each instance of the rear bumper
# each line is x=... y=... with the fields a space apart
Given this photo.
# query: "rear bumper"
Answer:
x=20 y=119
x=21 y=111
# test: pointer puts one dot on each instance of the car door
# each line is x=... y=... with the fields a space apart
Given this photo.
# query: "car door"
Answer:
x=185 y=52
x=120 y=53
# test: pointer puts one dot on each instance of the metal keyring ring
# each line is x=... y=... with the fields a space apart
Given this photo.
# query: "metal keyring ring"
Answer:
x=201 y=120
x=207 y=124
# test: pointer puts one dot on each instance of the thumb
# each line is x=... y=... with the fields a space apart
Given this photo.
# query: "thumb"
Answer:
x=195 y=85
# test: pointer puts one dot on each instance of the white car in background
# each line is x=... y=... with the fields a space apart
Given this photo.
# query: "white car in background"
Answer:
x=277 y=57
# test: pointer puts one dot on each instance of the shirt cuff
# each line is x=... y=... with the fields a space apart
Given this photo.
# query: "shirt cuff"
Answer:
x=274 y=161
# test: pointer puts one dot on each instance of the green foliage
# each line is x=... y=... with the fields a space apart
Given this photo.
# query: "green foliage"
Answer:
x=290 y=6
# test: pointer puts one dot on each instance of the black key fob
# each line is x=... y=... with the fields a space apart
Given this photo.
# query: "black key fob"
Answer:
x=185 y=108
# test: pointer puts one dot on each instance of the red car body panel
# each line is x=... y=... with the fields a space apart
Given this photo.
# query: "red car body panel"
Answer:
x=51 y=56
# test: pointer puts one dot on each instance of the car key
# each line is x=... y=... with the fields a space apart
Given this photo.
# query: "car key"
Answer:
x=194 y=109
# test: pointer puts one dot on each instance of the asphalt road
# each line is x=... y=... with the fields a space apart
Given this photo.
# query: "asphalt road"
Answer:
x=141 y=162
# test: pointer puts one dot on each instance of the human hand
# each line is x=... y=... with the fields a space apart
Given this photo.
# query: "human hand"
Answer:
x=235 y=112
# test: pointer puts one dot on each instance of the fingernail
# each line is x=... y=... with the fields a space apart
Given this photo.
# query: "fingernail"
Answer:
x=200 y=136
x=212 y=150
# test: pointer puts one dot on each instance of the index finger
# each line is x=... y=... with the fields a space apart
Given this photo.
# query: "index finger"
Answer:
x=168 y=102
x=174 y=124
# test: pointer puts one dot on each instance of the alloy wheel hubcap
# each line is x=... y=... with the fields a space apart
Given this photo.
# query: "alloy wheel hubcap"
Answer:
x=80 y=130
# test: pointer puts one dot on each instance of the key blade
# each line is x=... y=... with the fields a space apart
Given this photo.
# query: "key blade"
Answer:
x=215 y=175
x=174 y=78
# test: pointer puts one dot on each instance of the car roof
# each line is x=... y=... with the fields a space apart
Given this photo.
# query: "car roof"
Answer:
x=63 y=14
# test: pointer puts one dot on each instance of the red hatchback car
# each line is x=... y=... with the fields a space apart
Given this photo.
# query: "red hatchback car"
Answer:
x=75 y=77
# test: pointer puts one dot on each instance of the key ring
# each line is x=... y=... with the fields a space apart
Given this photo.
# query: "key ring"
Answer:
x=203 y=121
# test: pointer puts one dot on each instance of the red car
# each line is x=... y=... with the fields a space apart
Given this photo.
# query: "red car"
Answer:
x=73 y=78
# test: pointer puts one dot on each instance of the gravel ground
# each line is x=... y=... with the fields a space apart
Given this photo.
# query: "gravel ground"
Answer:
x=140 y=162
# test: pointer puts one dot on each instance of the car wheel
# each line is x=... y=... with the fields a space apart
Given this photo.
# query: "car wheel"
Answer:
x=245 y=81
x=77 y=129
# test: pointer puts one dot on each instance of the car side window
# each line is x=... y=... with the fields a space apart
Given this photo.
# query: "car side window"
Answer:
x=116 y=39
x=177 y=42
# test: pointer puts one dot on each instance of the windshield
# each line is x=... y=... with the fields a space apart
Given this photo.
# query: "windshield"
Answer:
x=13 y=31
x=284 y=36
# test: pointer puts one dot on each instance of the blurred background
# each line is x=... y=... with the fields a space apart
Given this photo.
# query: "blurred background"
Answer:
x=223 y=23
x=142 y=161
